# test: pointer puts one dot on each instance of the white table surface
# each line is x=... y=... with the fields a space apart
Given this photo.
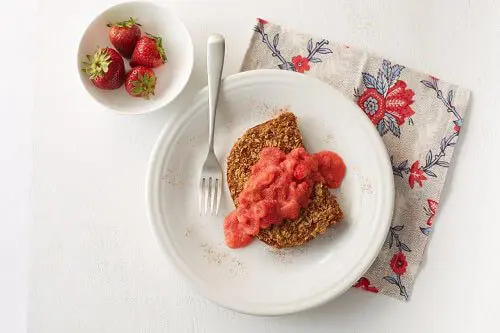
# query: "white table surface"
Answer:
x=95 y=265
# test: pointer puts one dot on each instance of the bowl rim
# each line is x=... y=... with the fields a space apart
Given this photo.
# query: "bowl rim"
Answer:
x=146 y=109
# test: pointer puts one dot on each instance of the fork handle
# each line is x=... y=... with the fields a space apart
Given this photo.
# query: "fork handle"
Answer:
x=215 y=63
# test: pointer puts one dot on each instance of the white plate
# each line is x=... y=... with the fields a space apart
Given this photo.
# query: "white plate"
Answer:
x=257 y=279
x=172 y=77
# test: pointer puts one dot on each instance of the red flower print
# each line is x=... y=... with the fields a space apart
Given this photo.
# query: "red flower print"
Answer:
x=300 y=63
x=456 y=128
x=433 y=205
x=399 y=263
x=372 y=102
x=262 y=21
x=364 y=283
x=416 y=175
x=398 y=101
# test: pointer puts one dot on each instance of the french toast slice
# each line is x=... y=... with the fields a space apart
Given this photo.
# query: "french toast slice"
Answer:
x=282 y=132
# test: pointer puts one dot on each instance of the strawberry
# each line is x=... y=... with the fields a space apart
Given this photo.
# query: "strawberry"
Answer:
x=140 y=82
x=332 y=168
x=233 y=234
x=282 y=195
x=303 y=192
x=148 y=52
x=298 y=154
x=290 y=210
x=269 y=193
x=271 y=214
x=312 y=163
x=105 y=68
x=124 y=35
x=289 y=165
x=261 y=208
x=266 y=211
x=273 y=154
x=301 y=171
x=248 y=197
x=248 y=224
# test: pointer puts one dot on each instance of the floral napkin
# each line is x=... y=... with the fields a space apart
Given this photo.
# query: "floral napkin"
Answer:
x=418 y=116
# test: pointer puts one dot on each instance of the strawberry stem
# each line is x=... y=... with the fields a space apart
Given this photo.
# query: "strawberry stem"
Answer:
x=124 y=24
x=144 y=86
x=97 y=64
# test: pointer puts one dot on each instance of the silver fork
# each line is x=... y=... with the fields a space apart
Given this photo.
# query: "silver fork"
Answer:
x=211 y=172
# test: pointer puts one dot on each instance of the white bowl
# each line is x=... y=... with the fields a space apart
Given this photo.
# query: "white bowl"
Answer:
x=172 y=77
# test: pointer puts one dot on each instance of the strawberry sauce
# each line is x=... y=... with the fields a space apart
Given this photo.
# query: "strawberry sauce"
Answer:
x=280 y=185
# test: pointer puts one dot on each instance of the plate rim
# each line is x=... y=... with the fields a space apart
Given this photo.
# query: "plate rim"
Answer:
x=168 y=249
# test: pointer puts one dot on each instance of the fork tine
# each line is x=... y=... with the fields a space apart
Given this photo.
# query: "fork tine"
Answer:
x=201 y=194
x=219 y=192
x=207 y=193
x=212 y=195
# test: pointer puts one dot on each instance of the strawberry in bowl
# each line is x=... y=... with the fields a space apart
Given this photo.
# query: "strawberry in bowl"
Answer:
x=105 y=68
x=149 y=52
x=124 y=36
x=140 y=82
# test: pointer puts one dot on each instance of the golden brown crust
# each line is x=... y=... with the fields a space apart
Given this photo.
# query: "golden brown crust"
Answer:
x=281 y=132
x=322 y=212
